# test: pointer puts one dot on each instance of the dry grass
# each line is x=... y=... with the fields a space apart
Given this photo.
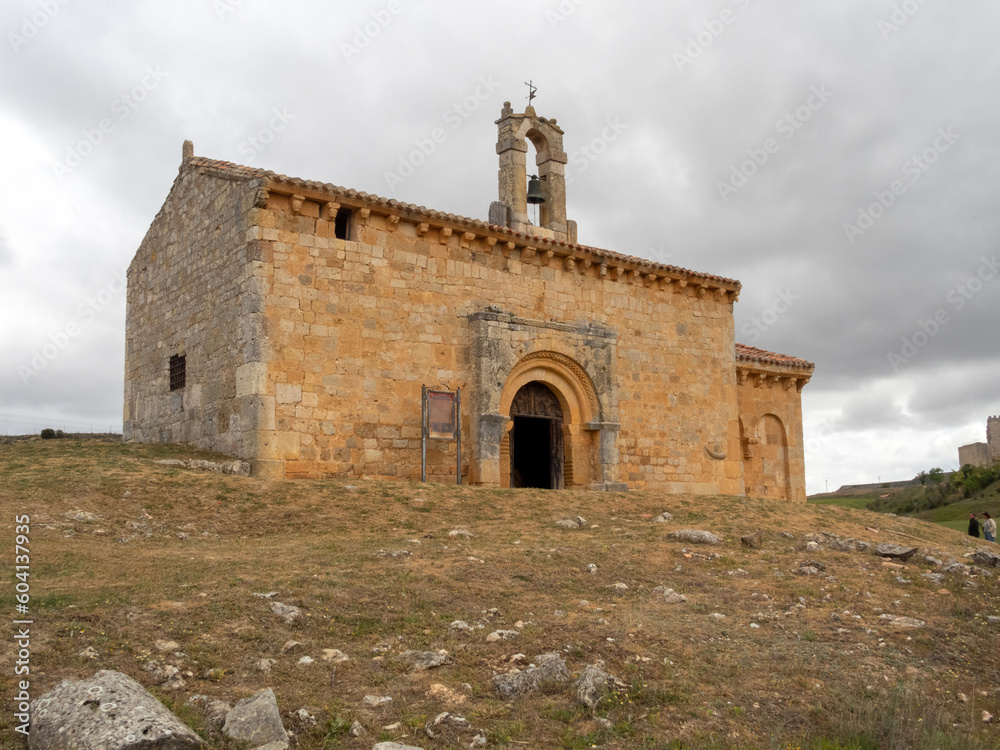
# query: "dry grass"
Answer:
x=802 y=679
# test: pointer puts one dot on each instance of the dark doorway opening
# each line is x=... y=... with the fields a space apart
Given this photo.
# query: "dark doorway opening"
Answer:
x=532 y=450
x=536 y=439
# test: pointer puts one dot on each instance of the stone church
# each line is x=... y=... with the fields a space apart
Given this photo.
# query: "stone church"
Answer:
x=294 y=324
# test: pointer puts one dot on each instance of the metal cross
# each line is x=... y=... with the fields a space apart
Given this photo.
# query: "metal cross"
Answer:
x=532 y=88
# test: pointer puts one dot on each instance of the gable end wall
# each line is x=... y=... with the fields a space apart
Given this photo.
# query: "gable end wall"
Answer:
x=192 y=291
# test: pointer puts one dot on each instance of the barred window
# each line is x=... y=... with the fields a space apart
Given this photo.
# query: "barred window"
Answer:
x=178 y=372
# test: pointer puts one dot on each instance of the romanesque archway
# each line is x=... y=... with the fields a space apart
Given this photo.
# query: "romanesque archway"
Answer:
x=551 y=388
x=766 y=470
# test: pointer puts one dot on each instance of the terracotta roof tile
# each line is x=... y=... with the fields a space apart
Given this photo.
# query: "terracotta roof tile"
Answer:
x=748 y=354
x=250 y=173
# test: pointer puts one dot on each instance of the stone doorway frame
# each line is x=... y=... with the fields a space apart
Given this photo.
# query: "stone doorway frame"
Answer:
x=582 y=428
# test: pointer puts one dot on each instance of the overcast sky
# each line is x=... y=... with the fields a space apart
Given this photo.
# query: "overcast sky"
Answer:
x=839 y=158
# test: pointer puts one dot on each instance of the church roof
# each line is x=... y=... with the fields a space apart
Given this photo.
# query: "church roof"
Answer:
x=238 y=171
x=752 y=355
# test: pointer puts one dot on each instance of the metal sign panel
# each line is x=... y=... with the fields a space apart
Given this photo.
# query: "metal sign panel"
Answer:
x=441 y=415
x=440 y=419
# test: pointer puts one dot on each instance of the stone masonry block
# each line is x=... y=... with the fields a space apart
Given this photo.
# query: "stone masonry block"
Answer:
x=251 y=379
x=286 y=393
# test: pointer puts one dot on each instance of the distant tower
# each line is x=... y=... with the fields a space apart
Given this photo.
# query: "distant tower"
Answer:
x=515 y=131
x=993 y=437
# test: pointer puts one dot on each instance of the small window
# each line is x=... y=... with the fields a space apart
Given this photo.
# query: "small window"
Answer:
x=178 y=372
x=342 y=226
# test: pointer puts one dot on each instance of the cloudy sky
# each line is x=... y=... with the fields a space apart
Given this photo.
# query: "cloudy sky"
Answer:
x=841 y=159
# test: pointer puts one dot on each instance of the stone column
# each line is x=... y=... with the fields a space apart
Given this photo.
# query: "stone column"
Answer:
x=552 y=171
x=485 y=467
x=608 y=457
x=513 y=176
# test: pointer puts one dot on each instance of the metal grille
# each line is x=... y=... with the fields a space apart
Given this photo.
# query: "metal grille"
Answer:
x=178 y=372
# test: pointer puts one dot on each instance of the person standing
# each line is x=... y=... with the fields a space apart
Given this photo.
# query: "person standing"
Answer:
x=973 y=525
x=989 y=527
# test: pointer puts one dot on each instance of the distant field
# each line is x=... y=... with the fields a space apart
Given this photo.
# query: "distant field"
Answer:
x=763 y=653
x=843 y=502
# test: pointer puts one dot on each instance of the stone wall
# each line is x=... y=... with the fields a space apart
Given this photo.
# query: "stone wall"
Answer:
x=191 y=293
x=357 y=326
x=974 y=454
x=771 y=441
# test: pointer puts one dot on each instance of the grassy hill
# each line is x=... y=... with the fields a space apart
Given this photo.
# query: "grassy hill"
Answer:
x=798 y=661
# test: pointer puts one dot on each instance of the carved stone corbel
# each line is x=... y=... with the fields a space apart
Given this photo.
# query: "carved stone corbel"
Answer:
x=330 y=211
x=297 y=201
x=716 y=451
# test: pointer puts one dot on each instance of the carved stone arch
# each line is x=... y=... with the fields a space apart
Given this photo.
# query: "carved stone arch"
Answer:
x=536 y=136
x=568 y=380
x=580 y=413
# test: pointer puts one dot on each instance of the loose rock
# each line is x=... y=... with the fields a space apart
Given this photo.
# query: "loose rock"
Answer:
x=572 y=523
x=664 y=517
x=286 y=612
x=986 y=558
x=896 y=551
x=593 y=684
x=752 y=541
x=109 y=711
x=501 y=635
x=256 y=720
x=443 y=721
x=422 y=660
x=694 y=536
x=668 y=596
x=335 y=655
x=550 y=669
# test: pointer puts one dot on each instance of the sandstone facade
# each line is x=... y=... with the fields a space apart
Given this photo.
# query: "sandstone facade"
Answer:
x=305 y=317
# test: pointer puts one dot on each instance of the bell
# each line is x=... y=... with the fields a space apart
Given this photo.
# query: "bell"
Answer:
x=535 y=190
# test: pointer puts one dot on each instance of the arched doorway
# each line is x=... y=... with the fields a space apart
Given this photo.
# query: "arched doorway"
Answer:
x=536 y=438
x=551 y=386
